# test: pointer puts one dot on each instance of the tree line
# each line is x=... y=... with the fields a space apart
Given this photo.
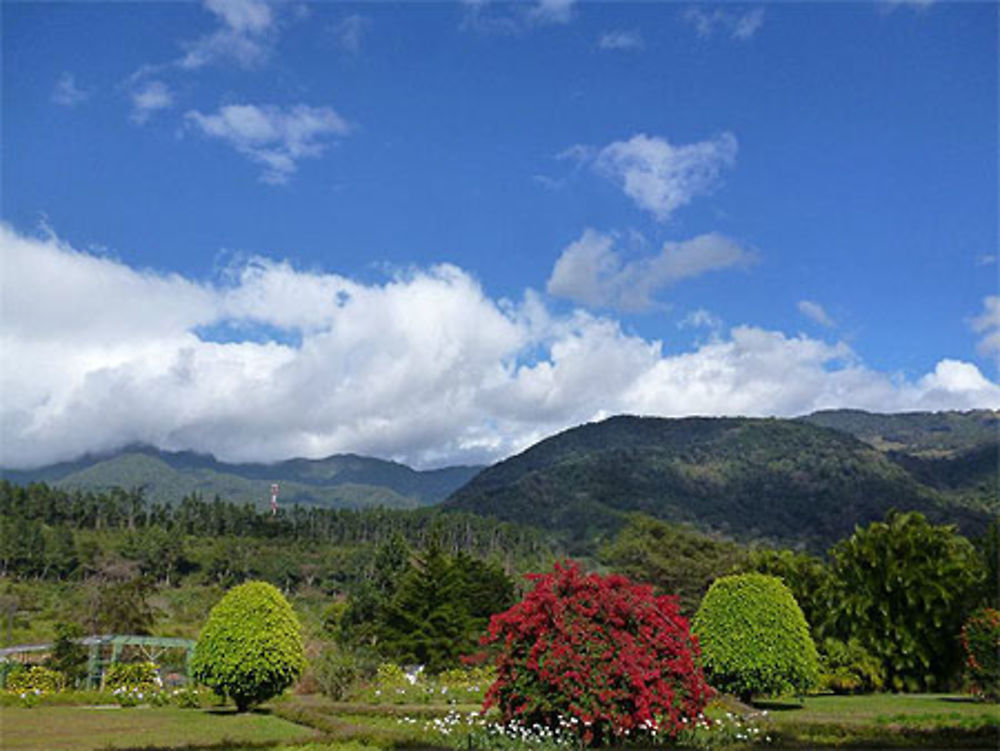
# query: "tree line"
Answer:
x=51 y=533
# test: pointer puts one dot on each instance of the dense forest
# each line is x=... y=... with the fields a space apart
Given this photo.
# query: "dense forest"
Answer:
x=786 y=482
x=115 y=562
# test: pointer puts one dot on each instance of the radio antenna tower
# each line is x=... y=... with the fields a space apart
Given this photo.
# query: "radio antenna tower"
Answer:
x=274 y=498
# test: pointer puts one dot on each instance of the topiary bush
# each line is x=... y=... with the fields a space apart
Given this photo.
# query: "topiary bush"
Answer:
x=250 y=648
x=599 y=655
x=754 y=639
x=981 y=642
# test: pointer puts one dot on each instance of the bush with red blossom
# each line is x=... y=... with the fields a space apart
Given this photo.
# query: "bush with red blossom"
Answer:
x=598 y=654
x=981 y=642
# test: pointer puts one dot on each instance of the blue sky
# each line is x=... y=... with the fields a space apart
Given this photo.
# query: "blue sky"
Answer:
x=439 y=231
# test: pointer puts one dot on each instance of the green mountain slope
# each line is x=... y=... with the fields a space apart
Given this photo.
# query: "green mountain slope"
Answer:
x=956 y=453
x=919 y=433
x=341 y=481
x=786 y=481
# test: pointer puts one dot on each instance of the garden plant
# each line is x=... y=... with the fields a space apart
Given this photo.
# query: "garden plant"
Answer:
x=250 y=649
x=754 y=638
x=598 y=657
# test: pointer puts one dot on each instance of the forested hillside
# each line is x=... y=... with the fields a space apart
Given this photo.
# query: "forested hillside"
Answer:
x=919 y=433
x=115 y=562
x=784 y=481
x=341 y=481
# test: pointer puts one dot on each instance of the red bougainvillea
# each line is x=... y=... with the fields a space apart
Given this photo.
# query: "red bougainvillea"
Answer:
x=981 y=641
x=601 y=654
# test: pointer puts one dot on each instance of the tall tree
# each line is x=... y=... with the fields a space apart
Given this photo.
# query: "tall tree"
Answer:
x=676 y=560
x=903 y=588
x=426 y=621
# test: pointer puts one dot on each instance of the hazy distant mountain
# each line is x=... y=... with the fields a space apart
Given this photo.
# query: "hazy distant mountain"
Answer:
x=782 y=480
x=340 y=481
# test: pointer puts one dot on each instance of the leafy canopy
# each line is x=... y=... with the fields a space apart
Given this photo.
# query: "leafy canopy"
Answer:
x=902 y=589
x=250 y=649
x=673 y=558
x=754 y=638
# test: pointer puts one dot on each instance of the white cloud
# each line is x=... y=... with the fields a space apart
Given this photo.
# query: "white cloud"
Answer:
x=620 y=40
x=515 y=18
x=590 y=271
x=243 y=16
x=988 y=324
x=700 y=319
x=552 y=11
x=738 y=25
x=246 y=35
x=423 y=367
x=66 y=93
x=148 y=98
x=350 y=32
x=815 y=312
x=272 y=137
x=657 y=175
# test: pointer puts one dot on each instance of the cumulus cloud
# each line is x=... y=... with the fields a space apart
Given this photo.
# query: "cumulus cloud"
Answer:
x=988 y=324
x=149 y=98
x=66 y=93
x=245 y=35
x=423 y=367
x=276 y=139
x=737 y=25
x=627 y=40
x=659 y=176
x=592 y=272
x=815 y=312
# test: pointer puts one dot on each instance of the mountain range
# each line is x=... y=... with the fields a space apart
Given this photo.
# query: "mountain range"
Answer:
x=794 y=482
x=339 y=481
x=805 y=482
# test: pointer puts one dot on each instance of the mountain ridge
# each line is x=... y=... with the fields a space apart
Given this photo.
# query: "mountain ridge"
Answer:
x=770 y=479
x=336 y=481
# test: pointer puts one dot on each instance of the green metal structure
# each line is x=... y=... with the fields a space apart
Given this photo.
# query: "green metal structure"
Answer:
x=107 y=650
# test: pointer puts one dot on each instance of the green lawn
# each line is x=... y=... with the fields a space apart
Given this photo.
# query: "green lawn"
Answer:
x=881 y=720
x=312 y=723
x=87 y=728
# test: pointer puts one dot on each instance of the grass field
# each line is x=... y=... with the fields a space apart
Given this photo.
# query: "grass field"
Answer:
x=90 y=728
x=312 y=723
x=885 y=720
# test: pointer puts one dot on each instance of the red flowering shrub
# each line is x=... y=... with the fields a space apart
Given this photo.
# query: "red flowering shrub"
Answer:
x=981 y=641
x=599 y=653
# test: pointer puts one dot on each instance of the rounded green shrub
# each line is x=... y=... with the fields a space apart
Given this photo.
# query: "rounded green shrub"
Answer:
x=35 y=680
x=142 y=676
x=250 y=648
x=754 y=639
